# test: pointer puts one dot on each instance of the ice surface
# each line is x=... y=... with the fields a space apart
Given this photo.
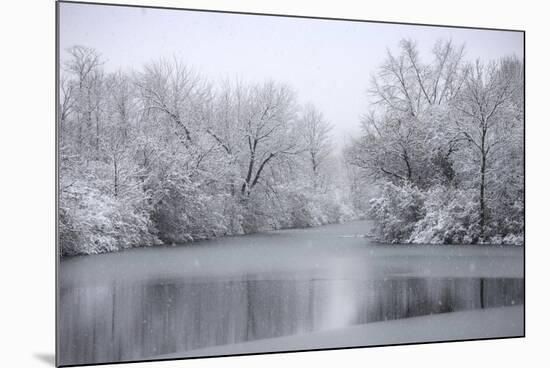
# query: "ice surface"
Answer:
x=284 y=251
x=475 y=324
x=290 y=289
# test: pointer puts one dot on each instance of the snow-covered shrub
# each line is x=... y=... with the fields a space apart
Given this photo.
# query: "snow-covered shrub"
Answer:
x=441 y=215
x=258 y=213
x=132 y=223
x=507 y=225
x=232 y=216
x=396 y=211
x=513 y=239
x=336 y=208
x=306 y=207
x=186 y=213
x=293 y=207
x=93 y=222
x=451 y=217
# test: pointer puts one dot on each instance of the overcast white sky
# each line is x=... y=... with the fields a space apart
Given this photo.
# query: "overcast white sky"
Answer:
x=328 y=63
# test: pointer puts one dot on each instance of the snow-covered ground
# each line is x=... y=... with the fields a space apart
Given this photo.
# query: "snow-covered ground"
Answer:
x=475 y=324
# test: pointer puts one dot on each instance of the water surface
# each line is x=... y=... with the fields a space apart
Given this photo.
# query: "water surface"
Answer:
x=147 y=302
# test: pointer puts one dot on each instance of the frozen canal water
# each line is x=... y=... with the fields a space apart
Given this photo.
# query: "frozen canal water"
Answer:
x=171 y=301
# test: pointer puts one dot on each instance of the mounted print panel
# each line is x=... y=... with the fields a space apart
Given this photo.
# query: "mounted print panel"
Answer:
x=234 y=183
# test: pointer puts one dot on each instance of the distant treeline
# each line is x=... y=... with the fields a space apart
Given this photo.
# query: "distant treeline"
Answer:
x=161 y=155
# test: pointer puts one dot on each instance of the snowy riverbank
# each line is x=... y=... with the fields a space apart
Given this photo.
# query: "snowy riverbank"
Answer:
x=475 y=324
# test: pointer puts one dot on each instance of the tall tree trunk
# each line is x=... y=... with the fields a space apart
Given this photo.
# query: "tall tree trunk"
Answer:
x=97 y=135
x=245 y=189
x=115 y=167
x=482 y=188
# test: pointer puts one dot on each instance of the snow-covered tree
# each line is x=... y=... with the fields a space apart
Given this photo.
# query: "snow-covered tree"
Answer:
x=487 y=120
x=440 y=129
x=162 y=155
x=315 y=134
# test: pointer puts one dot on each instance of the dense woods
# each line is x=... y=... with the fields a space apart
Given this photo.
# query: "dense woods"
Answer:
x=163 y=155
x=443 y=143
